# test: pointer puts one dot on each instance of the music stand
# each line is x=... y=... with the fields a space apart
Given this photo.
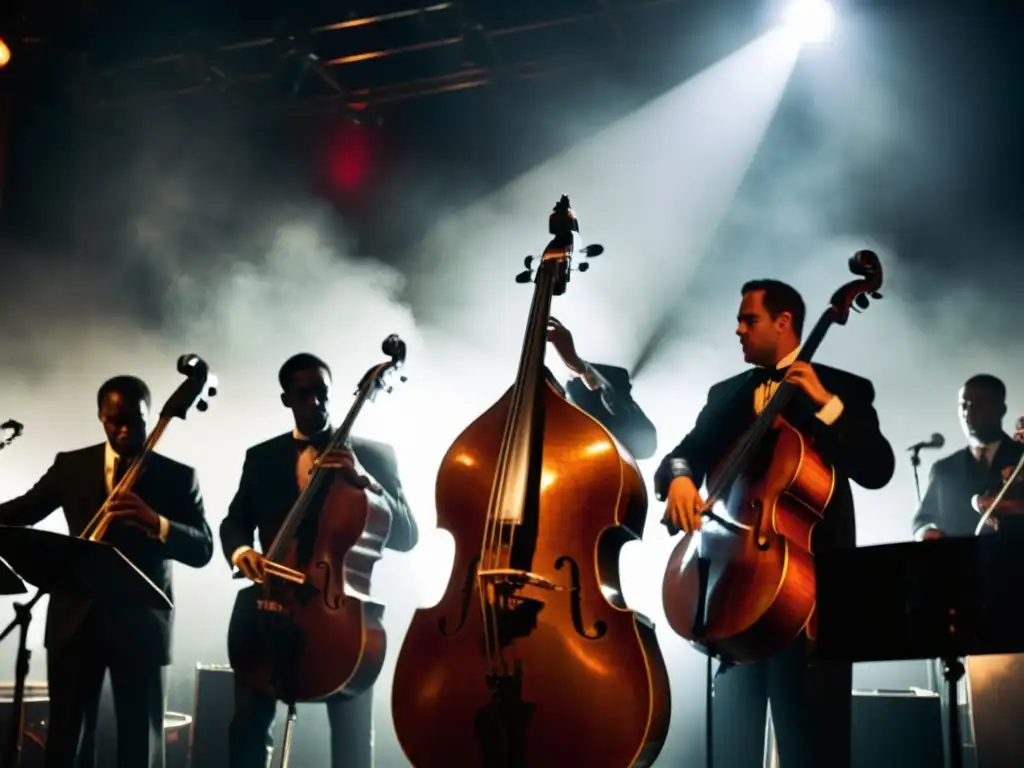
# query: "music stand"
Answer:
x=53 y=562
x=10 y=582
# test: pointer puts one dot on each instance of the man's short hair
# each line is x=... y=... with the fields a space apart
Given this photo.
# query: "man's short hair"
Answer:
x=987 y=381
x=129 y=387
x=780 y=297
x=303 y=361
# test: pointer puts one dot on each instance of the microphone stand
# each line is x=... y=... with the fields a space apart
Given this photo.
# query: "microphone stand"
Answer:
x=915 y=462
x=16 y=733
x=931 y=665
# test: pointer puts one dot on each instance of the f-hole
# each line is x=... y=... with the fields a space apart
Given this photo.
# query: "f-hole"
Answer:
x=761 y=538
x=600 y=628
x=467 y=594
x=332 y=599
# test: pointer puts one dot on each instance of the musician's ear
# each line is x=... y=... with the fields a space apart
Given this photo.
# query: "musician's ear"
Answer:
x=284 y=400
x=784 y=320
x=1002 y=410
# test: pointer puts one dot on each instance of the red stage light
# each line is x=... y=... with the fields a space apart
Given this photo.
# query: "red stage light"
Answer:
x=350 y=154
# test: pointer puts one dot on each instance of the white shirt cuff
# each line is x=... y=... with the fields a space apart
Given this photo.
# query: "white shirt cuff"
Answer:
x=920 y=532
x=237 y=553
x=165 y=528
x=589 y=377
x=831 y=411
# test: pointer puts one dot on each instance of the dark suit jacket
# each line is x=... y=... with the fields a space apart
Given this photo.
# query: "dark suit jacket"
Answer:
x=75 y=483
x=269 y=488
x=953 y=480
x=854 y=445
x=614 y=407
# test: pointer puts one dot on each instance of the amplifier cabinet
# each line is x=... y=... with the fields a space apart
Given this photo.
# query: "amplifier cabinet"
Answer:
x=214 y=705
x=995 y=689
x=889 y=728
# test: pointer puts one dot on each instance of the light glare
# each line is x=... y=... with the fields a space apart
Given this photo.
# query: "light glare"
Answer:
x=810 y=21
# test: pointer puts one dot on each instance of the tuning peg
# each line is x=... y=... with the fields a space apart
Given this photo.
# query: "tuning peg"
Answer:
x=202 y=406
x=876 y=295
x=583 y=267
x=403 y=379
x=528 y=261
x=211 y=392
x=524 y=277
x=862 y=301
x=592 y=251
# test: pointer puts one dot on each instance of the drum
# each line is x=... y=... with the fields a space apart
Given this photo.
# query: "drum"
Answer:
x=37 y=712
x=177 y=729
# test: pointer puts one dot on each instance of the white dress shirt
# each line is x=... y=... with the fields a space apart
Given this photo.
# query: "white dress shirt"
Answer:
x=110 y=459
x=829 y=412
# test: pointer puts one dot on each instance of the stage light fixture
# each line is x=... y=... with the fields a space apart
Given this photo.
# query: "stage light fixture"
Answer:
x=811 y=21
x=5 y=53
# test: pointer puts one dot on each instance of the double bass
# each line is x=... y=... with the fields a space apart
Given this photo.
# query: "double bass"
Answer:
x=743 y=587
x=311 y=630
x=532 y=657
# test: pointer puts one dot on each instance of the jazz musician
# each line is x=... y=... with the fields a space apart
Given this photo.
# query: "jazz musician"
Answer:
x=810 y=700
x=946 y=509
x=272 y=475
x=603 y=391
x=160 y=520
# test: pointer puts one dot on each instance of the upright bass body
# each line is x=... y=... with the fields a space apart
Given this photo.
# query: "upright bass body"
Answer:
x=760 y=582
x=306 y=642
x=744 y=586
x=590 y=686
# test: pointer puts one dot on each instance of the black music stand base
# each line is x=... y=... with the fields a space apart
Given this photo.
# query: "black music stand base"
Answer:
x=953 y=671
x=22 y=620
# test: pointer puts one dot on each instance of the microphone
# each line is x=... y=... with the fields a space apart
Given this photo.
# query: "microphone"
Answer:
x=935 y=441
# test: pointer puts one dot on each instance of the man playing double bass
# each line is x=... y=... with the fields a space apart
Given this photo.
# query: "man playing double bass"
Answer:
x=272 y=476
x=161 y=520
x=810 y=700
x=603 y=391
x=953 y=481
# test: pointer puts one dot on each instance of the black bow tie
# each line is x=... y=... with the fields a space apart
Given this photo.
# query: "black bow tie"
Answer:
x=318 y=441
x=764 y=375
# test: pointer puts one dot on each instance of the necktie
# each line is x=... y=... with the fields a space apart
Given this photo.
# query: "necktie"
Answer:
x=982 y=457
x=120 y=470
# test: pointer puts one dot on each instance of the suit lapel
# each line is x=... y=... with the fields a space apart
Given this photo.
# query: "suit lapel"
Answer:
x=87 y=487
x=285 y=461
x=94 y=474
x=1007 y=455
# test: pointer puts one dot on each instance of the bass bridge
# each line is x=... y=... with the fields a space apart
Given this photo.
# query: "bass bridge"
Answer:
x=518 y=579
